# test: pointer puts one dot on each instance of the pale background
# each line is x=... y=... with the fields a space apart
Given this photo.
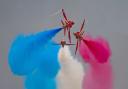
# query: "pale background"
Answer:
x=105 y=17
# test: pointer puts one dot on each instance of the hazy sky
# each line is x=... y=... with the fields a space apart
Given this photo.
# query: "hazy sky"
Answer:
x=105 y=17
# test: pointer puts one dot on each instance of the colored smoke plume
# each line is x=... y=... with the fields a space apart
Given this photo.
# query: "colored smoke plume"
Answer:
x=71 y=74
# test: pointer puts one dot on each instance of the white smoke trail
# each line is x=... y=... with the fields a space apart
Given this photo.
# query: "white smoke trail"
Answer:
x=71 y=73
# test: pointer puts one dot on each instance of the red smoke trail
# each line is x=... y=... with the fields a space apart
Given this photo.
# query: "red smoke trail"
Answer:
x=99 y=75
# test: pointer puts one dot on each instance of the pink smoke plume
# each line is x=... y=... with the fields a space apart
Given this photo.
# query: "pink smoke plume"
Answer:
x=95 y=49
x=96 y=53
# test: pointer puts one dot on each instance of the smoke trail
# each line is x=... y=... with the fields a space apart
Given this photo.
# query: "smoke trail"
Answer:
x=71 y=74
x=49 y=63
x=44 y=76
x=38 y=80
x=99 y=75
x=98 y=48
x=25 y=51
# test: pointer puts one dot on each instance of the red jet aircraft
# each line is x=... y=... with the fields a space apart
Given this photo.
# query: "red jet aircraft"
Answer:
x=79 y=36
x=63 y=43
x=67 y=25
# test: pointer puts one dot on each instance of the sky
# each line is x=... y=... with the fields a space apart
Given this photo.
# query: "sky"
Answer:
x=104 y=17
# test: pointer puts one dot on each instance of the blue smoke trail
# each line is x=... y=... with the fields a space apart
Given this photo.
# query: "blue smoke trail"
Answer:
x=24 y=53
x=44 y=76
x=38 y=80
x=49 y=60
